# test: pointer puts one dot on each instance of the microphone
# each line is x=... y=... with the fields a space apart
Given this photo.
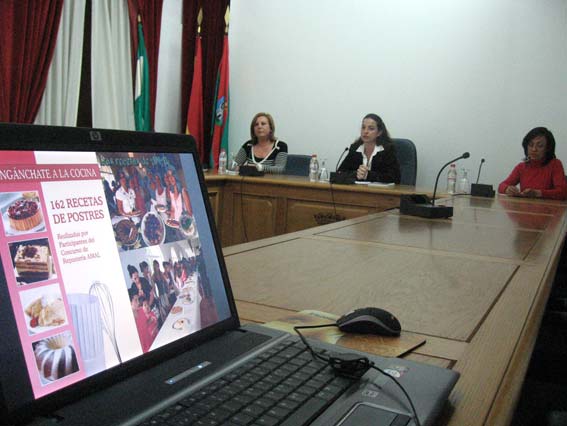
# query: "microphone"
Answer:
x=482 y=190
x=465 y=155
x=479 y=167
x=420 y=204
x=340 y=158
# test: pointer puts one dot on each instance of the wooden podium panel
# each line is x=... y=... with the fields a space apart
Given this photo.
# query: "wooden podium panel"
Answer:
x=303 y=214
x=253 y=218
x=276 y=205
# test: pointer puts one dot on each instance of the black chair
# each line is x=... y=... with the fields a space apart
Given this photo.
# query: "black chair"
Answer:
x=297 y=165
x=407 y=157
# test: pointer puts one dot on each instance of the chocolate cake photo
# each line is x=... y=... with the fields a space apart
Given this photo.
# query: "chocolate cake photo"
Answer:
x=21 y=212
x=32 y=261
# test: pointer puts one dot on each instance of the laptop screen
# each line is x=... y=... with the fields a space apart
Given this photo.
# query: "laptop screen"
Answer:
x=107 y=254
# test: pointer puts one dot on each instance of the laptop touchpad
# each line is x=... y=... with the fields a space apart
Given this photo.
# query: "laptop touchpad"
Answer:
x=365 y=414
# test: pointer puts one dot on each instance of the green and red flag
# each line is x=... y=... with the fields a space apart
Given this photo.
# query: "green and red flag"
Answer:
x=221 y=109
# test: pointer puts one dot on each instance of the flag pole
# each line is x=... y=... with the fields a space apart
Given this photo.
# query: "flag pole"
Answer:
x=226 y=19
x=195 y=110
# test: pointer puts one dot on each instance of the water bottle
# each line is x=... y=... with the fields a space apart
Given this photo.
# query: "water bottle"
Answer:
x=324 y=173
x=451 y=179
x=464 y=185
x=313 y=169
x=222 y=162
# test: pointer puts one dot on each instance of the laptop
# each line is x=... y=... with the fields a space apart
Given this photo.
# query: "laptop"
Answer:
x=116 y=307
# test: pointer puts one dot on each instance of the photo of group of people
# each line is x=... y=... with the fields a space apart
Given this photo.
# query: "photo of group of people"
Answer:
x=148 y=201
x=165 y=285
x=158 y=241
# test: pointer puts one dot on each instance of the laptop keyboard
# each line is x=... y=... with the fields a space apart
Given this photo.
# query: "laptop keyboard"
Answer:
x=282 y=386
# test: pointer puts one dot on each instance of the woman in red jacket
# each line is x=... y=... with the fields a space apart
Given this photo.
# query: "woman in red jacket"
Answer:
x=540 y=175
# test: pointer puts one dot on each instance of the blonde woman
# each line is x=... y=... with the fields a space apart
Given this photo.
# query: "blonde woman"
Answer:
x=264 y=151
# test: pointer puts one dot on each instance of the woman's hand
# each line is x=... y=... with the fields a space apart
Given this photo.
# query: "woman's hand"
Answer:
x=531 y=193
x=362 y=172
x=512 y=191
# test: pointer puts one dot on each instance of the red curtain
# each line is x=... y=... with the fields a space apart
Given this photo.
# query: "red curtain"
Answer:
x=28 y=32
x=150 y=12
x=212 y=33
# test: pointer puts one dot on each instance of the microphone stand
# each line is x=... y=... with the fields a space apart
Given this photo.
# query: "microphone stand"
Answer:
x=482 y=190
x=339 y=177
x=420 y=205
x=465 y=155
x=479 y=167
x=340 y=158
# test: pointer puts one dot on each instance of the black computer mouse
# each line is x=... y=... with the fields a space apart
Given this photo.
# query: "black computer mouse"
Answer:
x=370 y=321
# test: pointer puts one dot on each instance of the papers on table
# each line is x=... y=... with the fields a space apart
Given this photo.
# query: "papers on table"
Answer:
x=376 y=184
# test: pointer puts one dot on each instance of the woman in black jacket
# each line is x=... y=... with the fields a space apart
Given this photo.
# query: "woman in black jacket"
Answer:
x=372 y=157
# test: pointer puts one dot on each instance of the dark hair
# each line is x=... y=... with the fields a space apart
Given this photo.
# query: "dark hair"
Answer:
x=549 y=142
x=131 y=270
x=144 y=265
x=270 y=122
x=384 y=138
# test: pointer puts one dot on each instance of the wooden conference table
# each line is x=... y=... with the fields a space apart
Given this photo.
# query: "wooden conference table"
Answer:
x=474 y=286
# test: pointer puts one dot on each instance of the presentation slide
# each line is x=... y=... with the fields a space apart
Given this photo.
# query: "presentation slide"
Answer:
x=103 y=260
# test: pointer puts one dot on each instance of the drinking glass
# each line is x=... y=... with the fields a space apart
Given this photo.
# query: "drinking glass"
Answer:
x=324 y=173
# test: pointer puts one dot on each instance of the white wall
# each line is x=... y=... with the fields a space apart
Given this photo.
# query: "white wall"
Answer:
x=453 y=76
x=168 y=116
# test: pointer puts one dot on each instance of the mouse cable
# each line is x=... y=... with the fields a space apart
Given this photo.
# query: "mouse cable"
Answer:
x=350 y=365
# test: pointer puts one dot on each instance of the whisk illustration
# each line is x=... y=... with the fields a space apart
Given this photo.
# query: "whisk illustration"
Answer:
x=101 y=291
